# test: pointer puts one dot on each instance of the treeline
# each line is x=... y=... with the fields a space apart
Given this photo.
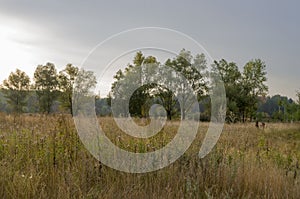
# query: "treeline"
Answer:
x=278 y=108
x=50 y=91
x=246 y=90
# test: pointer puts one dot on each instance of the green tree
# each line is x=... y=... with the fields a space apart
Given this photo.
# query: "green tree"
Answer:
x=298 y=104
x=83 y=87
x=165 y=96
x=298 y=96
x=231 y=77
x=242 y=89
x=253 y=85
x=46 y=85
x=66 y=79
x=134 y=74
x=179 y=73
x=191 y=72
x=16 y=89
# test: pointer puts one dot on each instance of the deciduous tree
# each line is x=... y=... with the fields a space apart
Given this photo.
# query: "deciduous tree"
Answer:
x=46 y=85
x=66 y=79
x=16 y=89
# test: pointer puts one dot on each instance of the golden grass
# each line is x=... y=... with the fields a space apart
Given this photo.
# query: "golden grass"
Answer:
x=42 y=157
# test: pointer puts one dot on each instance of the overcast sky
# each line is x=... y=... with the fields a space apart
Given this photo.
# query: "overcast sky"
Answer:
x=36 y=32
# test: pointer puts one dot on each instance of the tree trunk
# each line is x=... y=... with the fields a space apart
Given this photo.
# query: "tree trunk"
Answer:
x=182 y=113
x=169 y=114
x=71 y=105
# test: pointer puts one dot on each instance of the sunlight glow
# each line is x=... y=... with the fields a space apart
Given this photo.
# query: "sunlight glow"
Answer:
x=14 y=51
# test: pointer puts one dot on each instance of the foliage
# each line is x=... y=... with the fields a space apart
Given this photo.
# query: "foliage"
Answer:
x=245 y=90
x=279 y=108
x=188 y=71
x=84 y=85
x=253 y=85
x=242 y=89
x=102 y=108
x=66 y=79
x=231 y=77
x=46 y=85
x=16 y=89
x=133 y=75
x=298 y=97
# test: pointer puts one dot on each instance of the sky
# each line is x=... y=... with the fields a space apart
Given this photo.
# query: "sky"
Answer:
x=61 y=32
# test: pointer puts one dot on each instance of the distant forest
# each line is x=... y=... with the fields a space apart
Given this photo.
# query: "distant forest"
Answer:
x=50 y=91
x=275 y=108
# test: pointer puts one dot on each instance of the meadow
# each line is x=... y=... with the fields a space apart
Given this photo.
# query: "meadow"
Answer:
x=42 y=157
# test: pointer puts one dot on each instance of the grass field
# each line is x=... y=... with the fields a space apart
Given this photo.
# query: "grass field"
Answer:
x=42 y=157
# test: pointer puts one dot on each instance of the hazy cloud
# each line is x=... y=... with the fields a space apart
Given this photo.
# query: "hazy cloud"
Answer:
x=65 y=31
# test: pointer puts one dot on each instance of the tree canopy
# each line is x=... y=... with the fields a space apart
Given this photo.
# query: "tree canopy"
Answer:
x=15 y=90
x=166 y=84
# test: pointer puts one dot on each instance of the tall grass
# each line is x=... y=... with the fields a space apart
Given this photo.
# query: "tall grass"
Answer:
x=42 y=157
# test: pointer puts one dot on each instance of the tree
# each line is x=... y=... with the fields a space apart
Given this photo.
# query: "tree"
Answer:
x=165 y=96
x=231 y=77
x=253 y=84
x=3 y=103
x=298 y=96
x=46 y=85
x=83 y=88
x=16 y=89
x=271 y=106
x=134 y=75
x=166 y=84
x=280 y=108
x=242 y=89
x=66 y=79
x=189 y=77
x=298 y=104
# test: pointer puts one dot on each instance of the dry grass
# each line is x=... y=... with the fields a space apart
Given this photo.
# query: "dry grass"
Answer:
x=42 y=157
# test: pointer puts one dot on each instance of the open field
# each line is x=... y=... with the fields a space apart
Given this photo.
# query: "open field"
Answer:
x=42 y=157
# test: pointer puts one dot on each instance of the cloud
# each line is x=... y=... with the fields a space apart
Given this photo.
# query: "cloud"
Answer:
x=65 y=31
